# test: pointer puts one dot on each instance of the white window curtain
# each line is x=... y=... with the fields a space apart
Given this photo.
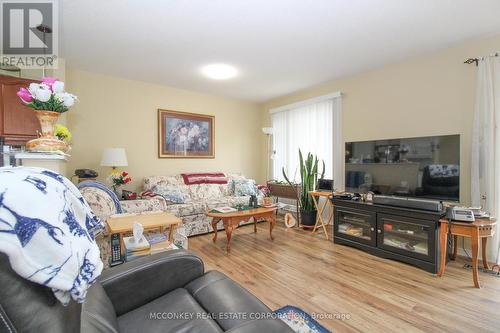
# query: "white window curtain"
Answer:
x=312 y=126
x=485 y=170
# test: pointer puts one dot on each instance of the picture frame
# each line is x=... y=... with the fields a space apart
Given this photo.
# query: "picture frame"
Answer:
x=185 y=135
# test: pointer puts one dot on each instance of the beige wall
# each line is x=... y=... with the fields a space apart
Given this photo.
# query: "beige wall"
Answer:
x=115 y=112
x=429 y=95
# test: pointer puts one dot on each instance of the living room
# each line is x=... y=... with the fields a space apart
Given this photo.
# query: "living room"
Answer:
x=178 y=119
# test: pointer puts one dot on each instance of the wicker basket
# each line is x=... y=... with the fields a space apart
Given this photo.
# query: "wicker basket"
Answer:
x=284 y=190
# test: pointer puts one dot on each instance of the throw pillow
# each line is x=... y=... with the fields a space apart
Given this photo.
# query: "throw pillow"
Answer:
x=170 y=193
x=243 y=187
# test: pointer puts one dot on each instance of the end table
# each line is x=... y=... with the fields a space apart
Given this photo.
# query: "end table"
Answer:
x=123 y=223
x=482 y=228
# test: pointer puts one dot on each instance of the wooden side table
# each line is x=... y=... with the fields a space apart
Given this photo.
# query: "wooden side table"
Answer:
x=122 y=224
x=320 y=222
x=482 y=228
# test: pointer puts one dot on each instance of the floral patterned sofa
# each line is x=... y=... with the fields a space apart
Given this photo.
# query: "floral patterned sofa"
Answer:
x=105 y=204
x=197 y=199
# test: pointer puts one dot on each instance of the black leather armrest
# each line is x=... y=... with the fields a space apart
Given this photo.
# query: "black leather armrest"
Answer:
x=136 y=283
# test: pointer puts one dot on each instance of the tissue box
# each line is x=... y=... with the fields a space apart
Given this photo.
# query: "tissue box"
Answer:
x=131 y=245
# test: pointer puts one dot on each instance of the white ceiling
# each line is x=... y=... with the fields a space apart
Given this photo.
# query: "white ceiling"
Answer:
x=278 y=46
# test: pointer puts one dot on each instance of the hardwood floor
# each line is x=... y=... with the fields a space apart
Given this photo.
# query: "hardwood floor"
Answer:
x=374 y=294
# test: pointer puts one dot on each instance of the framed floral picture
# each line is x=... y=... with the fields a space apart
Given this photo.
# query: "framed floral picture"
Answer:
x=185 y=135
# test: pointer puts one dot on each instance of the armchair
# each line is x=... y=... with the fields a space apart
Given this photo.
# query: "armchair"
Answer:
x=167 y=292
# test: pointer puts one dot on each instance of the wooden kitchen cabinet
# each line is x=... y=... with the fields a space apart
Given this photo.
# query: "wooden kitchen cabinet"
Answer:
x=18 y=123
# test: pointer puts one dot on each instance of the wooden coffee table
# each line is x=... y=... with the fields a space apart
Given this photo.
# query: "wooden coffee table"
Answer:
x=232 y=220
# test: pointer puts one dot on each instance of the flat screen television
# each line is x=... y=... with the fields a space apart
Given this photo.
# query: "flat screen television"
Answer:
x=423 y=167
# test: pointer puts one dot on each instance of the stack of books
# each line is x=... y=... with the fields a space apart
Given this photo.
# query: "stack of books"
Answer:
x=159 y=243
x=135 y=250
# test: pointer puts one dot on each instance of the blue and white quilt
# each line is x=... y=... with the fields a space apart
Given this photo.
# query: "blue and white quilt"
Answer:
x=47 y=230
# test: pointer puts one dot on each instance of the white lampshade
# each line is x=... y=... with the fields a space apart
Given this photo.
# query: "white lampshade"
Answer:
x=267 y=130
x=114 y=157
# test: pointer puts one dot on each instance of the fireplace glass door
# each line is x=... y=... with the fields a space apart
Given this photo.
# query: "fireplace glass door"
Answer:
x=407 y=236
x=356 y=225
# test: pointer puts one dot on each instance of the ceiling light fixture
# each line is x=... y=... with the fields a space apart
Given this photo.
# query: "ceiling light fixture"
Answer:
x=219 y=71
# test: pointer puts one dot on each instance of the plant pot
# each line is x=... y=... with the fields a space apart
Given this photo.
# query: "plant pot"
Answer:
x=47 y=142
x=267 y=201
x=308 y=218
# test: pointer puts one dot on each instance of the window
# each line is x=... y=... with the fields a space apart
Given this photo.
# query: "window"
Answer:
x=312 y=126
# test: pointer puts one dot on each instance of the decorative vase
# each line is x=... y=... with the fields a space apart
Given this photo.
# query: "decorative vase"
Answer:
x=267 y=201
x=47 y=121
x=47 y=142
x=118 y=191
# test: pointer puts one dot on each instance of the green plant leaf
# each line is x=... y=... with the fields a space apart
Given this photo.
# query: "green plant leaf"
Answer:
x=309 y=178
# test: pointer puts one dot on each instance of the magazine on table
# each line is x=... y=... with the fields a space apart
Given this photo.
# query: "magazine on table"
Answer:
x=225 y=209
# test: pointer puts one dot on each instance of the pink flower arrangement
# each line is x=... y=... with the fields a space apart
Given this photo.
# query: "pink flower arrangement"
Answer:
x=119 y=179
x=264 y=189
x=47 y=95
x=49 y=81
x=25 y=95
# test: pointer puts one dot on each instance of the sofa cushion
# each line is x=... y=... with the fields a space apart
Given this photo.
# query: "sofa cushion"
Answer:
x=187 y=209
x=218 y=294
x=171 y=193
x=227 y=201
x=158 y=181
x=206 y=192
x=151 y=181
x=190 y=316
x=157 y=203
x=219 y=202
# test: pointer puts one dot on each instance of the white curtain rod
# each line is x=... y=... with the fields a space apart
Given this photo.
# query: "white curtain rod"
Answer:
x=306 y=102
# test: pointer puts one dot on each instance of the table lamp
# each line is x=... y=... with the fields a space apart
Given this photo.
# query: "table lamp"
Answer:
x=114 y=157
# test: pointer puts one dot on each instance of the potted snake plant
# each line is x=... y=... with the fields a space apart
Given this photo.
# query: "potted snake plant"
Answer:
x=309 y=178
